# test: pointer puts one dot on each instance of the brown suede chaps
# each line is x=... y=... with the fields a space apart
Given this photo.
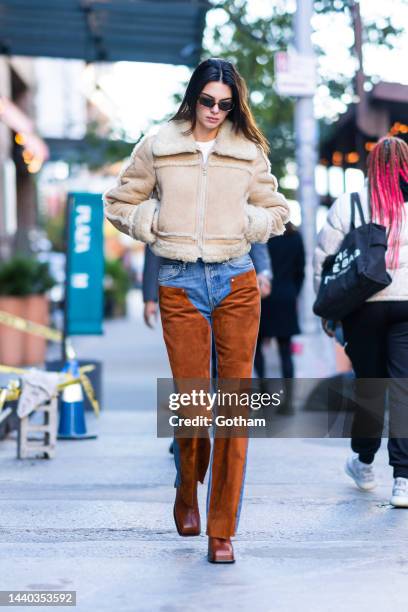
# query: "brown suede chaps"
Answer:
x=187 y=333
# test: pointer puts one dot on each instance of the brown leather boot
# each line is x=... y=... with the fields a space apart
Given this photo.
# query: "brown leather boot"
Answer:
x=187 y=518
x=220 y=550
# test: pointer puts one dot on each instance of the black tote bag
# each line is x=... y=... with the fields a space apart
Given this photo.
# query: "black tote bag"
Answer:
x=356 y=272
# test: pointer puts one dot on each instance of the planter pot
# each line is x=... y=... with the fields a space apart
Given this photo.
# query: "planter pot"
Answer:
x=12 y=340
x=36 y=310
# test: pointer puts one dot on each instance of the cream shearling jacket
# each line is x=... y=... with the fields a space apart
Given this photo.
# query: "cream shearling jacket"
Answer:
x=184 y=208
x=338 y=225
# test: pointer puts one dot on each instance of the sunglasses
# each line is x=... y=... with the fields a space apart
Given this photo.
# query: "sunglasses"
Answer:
x=209 y=102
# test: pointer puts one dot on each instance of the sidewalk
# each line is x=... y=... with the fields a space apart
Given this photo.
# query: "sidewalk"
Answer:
x=98 y=518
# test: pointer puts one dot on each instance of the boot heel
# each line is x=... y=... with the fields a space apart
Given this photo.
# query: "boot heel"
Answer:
x=220 y=551
x=186 y=518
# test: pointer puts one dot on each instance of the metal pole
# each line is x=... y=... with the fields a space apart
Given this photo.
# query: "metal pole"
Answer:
x=306 y=159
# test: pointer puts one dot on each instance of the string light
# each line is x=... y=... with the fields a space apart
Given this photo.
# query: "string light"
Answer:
x=27 y=156
x=19 y=138
x=369 y=146
x=34 y=166
x=352 y=157
x=398 y=128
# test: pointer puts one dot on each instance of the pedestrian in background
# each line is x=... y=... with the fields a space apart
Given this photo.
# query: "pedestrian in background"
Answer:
x=376 y=334
x=216 y=195
x=279 y=310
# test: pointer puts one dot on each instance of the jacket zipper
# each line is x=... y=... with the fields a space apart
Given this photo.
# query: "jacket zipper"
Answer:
x=203 y=194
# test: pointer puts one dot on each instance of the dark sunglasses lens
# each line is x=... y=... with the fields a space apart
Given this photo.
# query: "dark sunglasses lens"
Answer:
x=208 y=102
x=225 y=106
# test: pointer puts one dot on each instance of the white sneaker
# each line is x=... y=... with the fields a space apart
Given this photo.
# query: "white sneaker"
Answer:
x=361 y=473
x=399 y=497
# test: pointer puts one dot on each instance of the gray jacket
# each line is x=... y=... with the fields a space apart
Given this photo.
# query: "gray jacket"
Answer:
x=258 y=252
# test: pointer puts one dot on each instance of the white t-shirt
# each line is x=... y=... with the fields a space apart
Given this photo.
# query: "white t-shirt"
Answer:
x=205 y=148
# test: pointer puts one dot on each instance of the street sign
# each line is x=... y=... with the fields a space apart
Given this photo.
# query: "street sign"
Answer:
x=295 y=74
x=85 y=265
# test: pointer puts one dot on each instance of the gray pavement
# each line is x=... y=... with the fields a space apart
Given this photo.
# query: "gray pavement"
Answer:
x=97 y=519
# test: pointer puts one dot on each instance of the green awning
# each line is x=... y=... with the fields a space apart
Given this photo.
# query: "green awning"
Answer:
x=104 y=30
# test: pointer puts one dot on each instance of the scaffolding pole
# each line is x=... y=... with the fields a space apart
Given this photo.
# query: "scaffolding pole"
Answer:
x=306 y=132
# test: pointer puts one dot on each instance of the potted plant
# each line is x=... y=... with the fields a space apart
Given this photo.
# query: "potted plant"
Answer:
x=24 y=283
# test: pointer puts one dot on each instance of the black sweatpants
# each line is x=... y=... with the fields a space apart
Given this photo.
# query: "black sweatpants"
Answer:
x=285 y=356
x=376 y=338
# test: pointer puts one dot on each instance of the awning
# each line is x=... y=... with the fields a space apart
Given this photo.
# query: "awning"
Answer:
x=104 y=30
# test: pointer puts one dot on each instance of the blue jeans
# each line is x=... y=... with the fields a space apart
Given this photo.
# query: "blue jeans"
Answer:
x=200 y=301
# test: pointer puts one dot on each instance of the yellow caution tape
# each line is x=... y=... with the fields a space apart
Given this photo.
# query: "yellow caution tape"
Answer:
x=3 y=397
x=30 y=327
x=89 y=391
x=12 y=392
x=12 y=370
x=87 y=368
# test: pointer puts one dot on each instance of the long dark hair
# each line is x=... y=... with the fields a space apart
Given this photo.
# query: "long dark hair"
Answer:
x=216 y=69
x=387 y=167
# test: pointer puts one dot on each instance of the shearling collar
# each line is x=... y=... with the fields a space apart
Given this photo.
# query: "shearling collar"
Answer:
x=170 y=140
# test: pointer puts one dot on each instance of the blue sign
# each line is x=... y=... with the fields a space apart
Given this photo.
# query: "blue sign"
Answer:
x=85 y=265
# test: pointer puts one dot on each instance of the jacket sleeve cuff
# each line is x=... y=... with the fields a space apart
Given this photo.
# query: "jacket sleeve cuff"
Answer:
x=259 y=226
x=143 y=221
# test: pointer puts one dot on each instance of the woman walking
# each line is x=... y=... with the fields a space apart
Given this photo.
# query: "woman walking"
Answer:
x=200 y=192
x=376 y=334
x=279 y=317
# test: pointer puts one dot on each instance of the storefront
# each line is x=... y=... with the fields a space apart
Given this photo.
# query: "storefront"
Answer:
x=346 y=144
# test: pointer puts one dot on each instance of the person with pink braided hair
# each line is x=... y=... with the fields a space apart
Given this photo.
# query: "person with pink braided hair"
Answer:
x=388 y=179
x=376 y=334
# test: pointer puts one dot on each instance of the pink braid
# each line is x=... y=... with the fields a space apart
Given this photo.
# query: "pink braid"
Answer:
x=386 y=163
